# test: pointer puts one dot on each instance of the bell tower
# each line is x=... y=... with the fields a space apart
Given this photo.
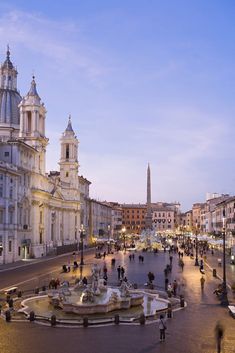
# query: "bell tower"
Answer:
x=32 y=125
x=69 y=157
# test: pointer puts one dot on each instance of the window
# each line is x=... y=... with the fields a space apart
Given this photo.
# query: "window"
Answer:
x=67 y=151
x=10 y=246
x=40 y=218
x=19 y=250
x=52 y=231
x=1 y=216
x=29 y=122
x=67 y=174
x=11 y=193
x=6 y=154
x=1 y=176
x=40 y=237
x=1 y=191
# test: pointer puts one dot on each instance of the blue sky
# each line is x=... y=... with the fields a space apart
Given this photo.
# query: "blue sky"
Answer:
x=144 y=81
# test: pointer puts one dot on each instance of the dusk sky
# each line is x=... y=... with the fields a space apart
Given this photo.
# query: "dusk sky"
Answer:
x=144 y=81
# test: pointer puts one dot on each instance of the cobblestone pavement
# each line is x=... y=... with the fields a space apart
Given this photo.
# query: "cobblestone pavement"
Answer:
x=191 y=330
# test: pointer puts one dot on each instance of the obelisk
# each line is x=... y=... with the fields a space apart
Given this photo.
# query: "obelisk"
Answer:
x=148 y=218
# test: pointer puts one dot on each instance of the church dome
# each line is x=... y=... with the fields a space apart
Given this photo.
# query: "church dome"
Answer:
x=9 y=95
x=9 y=111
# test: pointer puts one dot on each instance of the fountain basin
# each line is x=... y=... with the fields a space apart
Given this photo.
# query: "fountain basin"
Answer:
x=42 y=308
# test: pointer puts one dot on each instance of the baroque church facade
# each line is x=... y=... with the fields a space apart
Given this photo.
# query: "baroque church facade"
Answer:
x=39 y=212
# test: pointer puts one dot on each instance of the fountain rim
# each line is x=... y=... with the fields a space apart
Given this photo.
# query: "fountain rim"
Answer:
x=94 y=322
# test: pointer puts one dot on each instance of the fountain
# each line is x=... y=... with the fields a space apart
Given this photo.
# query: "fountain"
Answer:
x=96 y=301
x=95 y=297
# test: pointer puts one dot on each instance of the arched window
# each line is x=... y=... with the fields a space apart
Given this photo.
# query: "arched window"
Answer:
x=29 y=121
x=67 y=151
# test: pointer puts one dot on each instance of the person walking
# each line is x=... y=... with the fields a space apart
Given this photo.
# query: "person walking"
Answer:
x=202 y=280
x=122 y=272
x=175 y=286
x=119 y=272
x=219 y=333
x=162 y=328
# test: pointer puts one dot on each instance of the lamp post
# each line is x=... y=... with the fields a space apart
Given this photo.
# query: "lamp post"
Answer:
x=124 y=238
x=109 y=239
x=224 y=296
x=81 y=244
x=196 y=259
x=184 y=231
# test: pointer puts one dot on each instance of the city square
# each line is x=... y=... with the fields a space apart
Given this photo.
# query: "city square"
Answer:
x=195 y=320
x=117 y=200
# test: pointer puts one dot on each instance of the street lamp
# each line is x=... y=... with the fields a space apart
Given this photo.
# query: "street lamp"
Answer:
x=109 y=239
x=196 y=259
x=184 y=231
x=224 y=297
x=124 y=238
x=81 y=244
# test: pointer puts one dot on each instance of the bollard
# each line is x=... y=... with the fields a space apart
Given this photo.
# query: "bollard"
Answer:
x=8 y=316
x=31 y=316
x=169 y=311
x=85 y=321
x=36 y=291
x=53 y=320
x=142 y=319
x=182 y=301
x=116 y=319
x=214 y=272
